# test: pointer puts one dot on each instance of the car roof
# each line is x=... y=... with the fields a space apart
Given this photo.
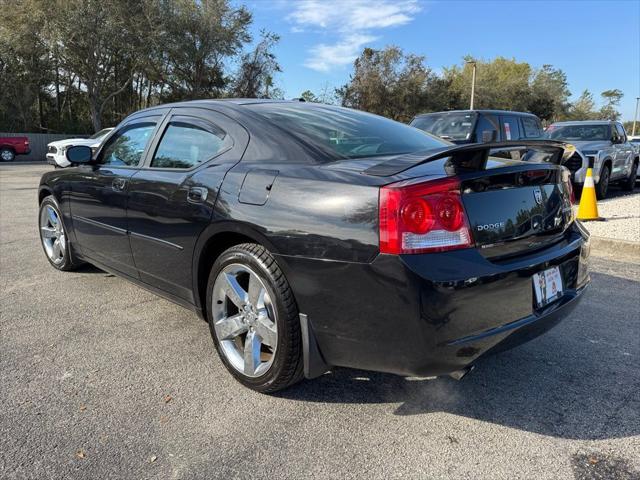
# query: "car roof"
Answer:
x=585 y=122
x=229 y=102
x=493 y=112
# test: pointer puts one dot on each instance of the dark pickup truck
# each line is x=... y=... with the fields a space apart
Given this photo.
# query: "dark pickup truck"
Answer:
x=480 y=126
x=12 y=146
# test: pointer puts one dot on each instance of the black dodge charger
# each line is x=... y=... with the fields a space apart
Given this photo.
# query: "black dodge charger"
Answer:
x=312 y=236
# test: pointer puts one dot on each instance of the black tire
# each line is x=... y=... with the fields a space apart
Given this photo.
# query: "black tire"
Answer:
x=630 y=183
x=7 y=155
x=603 y=185
x=287 y=366
x=69 y=261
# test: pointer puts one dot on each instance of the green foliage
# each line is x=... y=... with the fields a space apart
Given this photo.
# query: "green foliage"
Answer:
x=612 y=100
x=257 y=68
x=390 y=83
x=628 y=126
x=76 y=65
x=309 y=96
x=398 y=85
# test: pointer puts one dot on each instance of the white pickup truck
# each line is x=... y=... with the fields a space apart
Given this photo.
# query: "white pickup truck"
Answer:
x=603 y=145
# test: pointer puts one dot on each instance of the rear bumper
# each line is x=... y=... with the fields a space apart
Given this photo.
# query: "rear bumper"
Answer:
x=431 y=314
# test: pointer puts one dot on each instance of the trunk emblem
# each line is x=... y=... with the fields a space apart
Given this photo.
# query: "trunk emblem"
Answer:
x=537 y=194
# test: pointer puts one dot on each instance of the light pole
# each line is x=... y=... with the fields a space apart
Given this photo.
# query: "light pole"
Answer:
x=635 y=119
x=473 y=82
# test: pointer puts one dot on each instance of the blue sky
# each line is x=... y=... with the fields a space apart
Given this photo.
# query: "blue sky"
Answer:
x=596 y=43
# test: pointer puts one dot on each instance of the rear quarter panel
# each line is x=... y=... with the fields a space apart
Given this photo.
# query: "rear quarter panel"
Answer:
x=309 y=212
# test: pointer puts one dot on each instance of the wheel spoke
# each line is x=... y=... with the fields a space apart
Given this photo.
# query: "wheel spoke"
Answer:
x=251 y=353
x=234 y=291
x=53 y=217
x=266 y=329
x=57 y=252
x=230 y=327
x=255 y=290
x=49 y=232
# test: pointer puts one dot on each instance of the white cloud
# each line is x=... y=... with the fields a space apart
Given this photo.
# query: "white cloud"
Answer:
x=353 y=21
x=324 y=57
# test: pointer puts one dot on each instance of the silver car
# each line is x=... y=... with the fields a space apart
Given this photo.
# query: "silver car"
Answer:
x=604 y=146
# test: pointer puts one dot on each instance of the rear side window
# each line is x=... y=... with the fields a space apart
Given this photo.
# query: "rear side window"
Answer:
x=531 y=127
x=510 y=129
x=188 y=142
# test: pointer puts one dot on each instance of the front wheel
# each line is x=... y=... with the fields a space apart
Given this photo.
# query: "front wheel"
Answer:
x=53 y=236
x=630 y=183
x=254 y=320
x=603 y=185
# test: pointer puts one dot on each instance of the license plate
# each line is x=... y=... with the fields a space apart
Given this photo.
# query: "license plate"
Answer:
x=547 y=285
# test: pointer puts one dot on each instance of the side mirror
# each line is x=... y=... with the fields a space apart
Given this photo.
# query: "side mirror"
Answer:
x=79 y=154
x=489 y=136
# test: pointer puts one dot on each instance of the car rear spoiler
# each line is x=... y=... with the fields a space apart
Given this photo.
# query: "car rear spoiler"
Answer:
x=474 y=156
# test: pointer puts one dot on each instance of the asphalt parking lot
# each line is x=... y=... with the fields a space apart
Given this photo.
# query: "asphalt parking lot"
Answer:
x=100 y=379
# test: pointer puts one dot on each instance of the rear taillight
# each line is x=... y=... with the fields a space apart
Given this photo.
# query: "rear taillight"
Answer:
x=423 y=217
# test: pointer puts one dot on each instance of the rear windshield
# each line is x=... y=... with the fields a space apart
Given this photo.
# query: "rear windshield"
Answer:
x=450 y=126
x=578 y=132
x=347 y=133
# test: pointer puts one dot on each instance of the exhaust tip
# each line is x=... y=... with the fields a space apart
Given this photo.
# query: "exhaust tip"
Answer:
x=460 y=374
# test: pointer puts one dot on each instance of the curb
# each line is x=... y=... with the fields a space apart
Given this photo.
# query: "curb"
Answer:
x=610 y=246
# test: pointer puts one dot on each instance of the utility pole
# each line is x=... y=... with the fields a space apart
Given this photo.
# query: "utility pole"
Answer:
x=635 y=118
x=473 y=82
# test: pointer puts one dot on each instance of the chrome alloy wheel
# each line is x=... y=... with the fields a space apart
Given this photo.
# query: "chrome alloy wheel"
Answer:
x=6 y=155
x=244 y=320
x=52 y=234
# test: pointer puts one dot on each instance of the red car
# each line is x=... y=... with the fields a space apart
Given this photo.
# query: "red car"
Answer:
x=12 y=146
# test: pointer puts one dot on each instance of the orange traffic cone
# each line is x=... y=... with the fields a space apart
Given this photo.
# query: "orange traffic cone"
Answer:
x=588 y=209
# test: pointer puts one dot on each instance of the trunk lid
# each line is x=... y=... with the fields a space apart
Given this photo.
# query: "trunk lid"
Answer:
x=519 y=211
x=513 y=206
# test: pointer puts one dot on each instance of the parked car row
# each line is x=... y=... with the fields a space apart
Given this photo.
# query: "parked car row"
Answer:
x=602 y=145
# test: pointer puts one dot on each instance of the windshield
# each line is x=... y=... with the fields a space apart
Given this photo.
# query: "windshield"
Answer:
x=100 y=134
x=345 y=132
x=450 y=126
x=578 y=132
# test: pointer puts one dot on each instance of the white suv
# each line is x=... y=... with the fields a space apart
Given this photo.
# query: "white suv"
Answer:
x=56 y=150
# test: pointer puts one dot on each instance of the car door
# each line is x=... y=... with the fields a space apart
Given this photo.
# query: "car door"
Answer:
x=171 y=198
x=624 y=153
x=98 y=197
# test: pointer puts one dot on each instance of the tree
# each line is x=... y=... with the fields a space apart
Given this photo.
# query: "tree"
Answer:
x=199 y=36
x=257 y=68
x=612 y=99
x=628 y=126
x=583 y=108
x=549 y=93
x=74 y=65
x=309 y=96
x=500 y=84
x=389 y=83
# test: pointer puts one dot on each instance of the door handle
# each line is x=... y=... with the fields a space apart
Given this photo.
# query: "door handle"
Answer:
x=197 y=194
x=118 y=184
